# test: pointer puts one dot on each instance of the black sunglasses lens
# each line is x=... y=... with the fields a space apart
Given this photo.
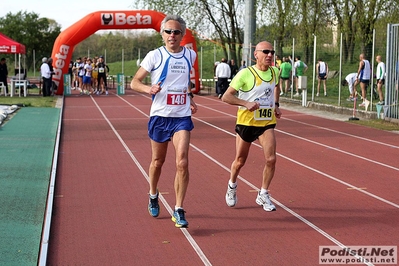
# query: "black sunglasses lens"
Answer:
x=268 y=51
x=176 y=32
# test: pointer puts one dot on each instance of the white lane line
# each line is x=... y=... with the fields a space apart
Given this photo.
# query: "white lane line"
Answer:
x=339 y=150
x=323 y=145
x=295 y=161
x=300 y=122
x=188 y=236
x=304 y=220
x=343 y=133
x=310 y=168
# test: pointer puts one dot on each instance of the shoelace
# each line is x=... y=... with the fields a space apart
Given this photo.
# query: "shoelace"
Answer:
x=181 y=212
x=154 y=203
x=230 y=194
x=265 y=198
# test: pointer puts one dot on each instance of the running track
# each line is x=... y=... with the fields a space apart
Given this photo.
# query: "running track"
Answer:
x=336 y=183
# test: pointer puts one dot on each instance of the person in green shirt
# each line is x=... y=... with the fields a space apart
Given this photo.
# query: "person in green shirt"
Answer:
x=285 y=75
x=300 y=69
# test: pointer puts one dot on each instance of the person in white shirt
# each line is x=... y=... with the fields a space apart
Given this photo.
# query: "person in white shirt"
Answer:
x=363 y=78
x=350 y=80
x=322 y=71
x=380 y=75
x=171 y=110
x=87 y=89
x=222 y=73
x=46 y=77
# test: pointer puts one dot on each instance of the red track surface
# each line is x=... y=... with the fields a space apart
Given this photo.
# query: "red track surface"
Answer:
x=335 y=184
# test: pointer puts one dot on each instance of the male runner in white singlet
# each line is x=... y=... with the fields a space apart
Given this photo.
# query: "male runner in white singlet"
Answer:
x=170 y=115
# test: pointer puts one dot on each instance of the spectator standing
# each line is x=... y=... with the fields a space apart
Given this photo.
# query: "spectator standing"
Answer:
x=4 y=73
x=321 y=70
x=222 y=74
x=46 y=77
x=87 y=89
x=233 y=68
x=363 y=78
x=171 y=110
x=70 y=72
x=216 y=81
x=94 y=75
x=81 y=72
x=278 y=61
x=292 y=78
x=75 y=71
x=285 y=76
x=300 y=69
x=243 y=65
x=380 y=76
x=50 y=65
x=258 y=101
x=103 y=71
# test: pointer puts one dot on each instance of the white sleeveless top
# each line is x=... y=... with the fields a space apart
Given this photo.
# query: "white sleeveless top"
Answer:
x=173 y=71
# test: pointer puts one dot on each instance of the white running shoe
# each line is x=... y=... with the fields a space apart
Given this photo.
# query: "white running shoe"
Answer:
x=296 y=94
x=231 y=196
x=264 y=200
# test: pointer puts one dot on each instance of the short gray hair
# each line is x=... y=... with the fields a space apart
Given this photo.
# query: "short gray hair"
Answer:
x=175 y=18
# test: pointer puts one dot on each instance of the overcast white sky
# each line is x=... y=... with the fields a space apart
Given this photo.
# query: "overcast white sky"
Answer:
x=65 y=12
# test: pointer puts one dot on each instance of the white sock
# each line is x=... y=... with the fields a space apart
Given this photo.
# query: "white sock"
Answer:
x=176 y=208
x=263 y=191
x=232 y=185
x=153 y=196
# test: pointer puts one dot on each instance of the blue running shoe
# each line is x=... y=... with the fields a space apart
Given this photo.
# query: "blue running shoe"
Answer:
x=179 y=219
x=153 y=206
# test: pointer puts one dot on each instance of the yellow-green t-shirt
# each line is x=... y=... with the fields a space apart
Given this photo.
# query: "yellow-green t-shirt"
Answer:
x=253 y=84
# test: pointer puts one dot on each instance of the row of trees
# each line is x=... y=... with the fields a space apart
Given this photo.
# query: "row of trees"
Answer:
x=222 y=21
x=37 y=34
x=283 y=20
x=135 y=44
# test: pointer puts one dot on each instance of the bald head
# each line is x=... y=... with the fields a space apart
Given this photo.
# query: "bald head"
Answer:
x=264 y=45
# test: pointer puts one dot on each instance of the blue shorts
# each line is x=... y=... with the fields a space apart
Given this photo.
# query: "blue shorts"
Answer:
x=162 y=129
x=86 y=80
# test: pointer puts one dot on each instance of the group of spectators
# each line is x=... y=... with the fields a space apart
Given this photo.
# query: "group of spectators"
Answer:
x=362 y=78
x=287 y=69
x=89 y=75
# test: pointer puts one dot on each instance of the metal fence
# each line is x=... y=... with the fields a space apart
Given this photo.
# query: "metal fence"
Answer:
x=391 y=109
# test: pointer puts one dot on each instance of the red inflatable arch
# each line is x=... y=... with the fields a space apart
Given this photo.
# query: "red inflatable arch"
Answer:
x=109 y=20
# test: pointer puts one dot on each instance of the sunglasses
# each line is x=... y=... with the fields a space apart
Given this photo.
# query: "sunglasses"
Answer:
x=267 y=51
x=175 y=32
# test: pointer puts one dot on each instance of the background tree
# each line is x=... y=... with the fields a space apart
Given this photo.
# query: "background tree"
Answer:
x=223 y=20
x=280 y=15
x=37 y=34
x=367 y=13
